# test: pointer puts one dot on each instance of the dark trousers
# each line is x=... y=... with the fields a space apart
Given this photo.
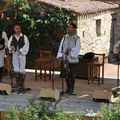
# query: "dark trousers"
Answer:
x=1 y=73
x=70 y=78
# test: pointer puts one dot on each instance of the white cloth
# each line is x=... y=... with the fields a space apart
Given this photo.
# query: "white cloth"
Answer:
x=72 y=42
x=2 y=52
x=115 y=50
x=19 y=63
x=19 y=57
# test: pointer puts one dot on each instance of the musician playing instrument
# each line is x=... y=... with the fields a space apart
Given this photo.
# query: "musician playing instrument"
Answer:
x=3 y=46
x=68 y=52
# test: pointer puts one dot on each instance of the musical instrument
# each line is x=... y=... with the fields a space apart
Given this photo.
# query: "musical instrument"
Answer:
x=65 y=64
x=8 y=62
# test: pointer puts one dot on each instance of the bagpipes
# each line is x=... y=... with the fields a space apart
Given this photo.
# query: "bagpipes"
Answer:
x=7 y=58
x=8 y=62
x=65 y=66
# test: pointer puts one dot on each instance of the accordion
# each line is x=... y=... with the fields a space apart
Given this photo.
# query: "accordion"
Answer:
x=2 y=43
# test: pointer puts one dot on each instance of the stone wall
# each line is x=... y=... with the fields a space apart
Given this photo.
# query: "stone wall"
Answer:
x=90 y=42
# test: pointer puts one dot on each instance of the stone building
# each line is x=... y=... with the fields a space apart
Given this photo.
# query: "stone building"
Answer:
x=94 y=21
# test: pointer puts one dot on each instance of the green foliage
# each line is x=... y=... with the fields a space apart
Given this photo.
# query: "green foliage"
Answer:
x=14 y=114
x=44 y=25
x=30 y=113
x=110 y=112
x=42 y=110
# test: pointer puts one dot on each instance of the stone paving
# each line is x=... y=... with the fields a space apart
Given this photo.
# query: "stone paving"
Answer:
x=83 y=101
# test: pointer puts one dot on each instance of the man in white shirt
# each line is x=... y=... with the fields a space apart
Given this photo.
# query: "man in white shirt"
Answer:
x=3 y=46
x=68 y=51
x=18 y=44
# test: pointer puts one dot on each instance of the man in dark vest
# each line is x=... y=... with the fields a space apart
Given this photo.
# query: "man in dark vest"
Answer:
x=18 y=44
x=3 y=46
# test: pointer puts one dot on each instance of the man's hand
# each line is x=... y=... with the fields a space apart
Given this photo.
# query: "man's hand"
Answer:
x=12 y=48
x=68 y=50
x=19 y=53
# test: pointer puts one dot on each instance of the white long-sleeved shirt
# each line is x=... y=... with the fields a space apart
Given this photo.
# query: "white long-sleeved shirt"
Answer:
x=72 y=42
x=2 y=52
x=24 y=50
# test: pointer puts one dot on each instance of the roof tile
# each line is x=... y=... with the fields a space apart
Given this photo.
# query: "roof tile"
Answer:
x=83 y=6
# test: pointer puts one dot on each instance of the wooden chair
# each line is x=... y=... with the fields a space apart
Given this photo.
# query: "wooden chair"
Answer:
x=43 y=62
x=94 y=69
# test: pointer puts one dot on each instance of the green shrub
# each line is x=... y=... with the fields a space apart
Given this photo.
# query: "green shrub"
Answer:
x=42 y=110
x=14 y=114
x=110 y=112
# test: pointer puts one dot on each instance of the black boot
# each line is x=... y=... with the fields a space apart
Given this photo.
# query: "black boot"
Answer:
x=72 y=82
x=17 y=79
x=72 y=86
x=68 y=83
x=22 y=82
x=1 y=73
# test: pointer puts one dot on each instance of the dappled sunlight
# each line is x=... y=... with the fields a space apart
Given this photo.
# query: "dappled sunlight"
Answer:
x=83 y=96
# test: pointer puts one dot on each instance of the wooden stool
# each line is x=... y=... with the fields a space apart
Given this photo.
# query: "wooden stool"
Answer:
x=94 y=71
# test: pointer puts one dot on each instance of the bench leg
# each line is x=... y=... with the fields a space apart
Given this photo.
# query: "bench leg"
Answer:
x=35 y=74
x=98 y=75
x=102 y=74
